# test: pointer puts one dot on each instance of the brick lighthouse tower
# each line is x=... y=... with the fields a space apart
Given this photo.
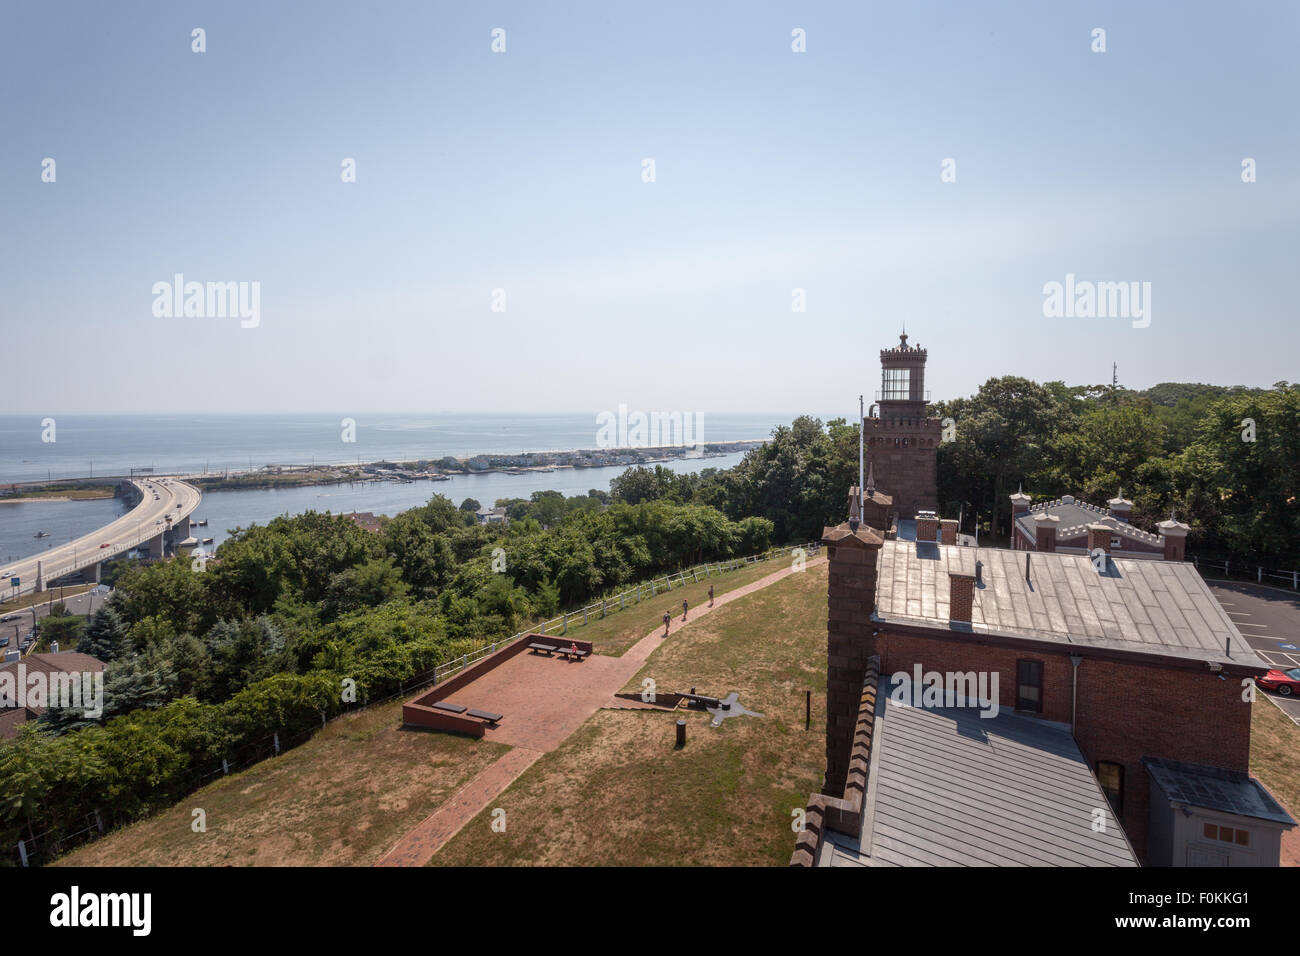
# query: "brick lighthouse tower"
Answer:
x=902 y=437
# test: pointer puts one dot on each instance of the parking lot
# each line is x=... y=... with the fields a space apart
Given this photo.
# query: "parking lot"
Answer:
x=1269 y=619
x=19 y=624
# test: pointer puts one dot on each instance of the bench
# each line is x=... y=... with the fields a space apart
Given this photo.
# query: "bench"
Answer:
x=449 y=708
x=570 y=654
x=548 y=648
x=487 y=715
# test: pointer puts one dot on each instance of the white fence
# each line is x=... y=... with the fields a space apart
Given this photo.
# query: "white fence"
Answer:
x=1245 y=569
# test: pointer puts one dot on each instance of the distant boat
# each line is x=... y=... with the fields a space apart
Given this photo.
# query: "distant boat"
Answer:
x=41 y=534
x=207 y=540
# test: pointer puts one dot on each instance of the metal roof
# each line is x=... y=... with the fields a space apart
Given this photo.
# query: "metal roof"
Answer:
x=1152 y=607
x=1075 y=517
x=1213 y=788
x=950 y=788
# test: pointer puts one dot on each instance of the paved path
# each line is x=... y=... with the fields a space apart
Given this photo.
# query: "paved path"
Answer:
x=418 y=847
x=545 y=720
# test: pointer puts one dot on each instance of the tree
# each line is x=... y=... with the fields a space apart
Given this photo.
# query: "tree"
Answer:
x=1002 y=432
x=106 y=637
x=62 y=629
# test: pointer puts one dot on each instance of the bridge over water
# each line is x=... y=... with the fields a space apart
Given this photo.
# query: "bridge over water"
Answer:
x=161 y=517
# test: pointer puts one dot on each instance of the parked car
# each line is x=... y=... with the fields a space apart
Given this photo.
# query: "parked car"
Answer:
x=1285 y=683
x=9 y=617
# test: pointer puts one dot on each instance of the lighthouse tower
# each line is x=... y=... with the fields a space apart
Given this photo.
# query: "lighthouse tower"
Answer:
x=902 y=437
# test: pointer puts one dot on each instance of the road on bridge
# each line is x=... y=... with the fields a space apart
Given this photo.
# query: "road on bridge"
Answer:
x=160 y=498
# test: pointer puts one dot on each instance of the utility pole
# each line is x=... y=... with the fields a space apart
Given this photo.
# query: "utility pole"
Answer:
x=1114 y=374
x=862 y=415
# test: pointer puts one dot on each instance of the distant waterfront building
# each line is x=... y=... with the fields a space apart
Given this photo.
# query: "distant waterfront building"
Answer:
x=491 y=516
x=366 y=520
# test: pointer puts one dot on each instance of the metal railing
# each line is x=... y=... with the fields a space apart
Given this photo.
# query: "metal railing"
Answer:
x=616 y=602
x=1245 y=570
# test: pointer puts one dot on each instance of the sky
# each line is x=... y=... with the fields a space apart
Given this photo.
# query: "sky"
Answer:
x=524 y=171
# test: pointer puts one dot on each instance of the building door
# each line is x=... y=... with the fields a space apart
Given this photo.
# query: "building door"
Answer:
x=1205 y=856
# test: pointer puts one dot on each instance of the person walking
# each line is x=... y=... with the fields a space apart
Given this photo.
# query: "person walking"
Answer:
x=710 y=595
x=683 y=609
x=667 y=620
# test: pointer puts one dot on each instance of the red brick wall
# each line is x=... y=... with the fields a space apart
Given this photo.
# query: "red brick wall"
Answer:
x=961 y=596
x=850 y=601
x=1125 y=711
x=419 y=712
x=1099 y=538
x=1045 y=537
x=903 y=453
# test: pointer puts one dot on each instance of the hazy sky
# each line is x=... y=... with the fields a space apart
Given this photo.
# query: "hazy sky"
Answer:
x=522 y=171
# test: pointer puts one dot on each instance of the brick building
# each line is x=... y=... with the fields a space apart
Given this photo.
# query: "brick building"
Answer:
x=902 y=438
x=1100 y=671
x=1070 y=526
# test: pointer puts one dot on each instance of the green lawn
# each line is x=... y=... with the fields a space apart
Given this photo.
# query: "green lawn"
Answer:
x=620 y=629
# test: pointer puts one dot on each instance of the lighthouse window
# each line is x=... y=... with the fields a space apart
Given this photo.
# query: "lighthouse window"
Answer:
x=896 y=385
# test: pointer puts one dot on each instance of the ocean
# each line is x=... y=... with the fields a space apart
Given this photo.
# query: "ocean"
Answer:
x=185 y=444
x=197 y=444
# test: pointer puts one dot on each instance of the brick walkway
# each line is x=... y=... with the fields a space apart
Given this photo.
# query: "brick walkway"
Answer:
x=545 y=699
x=418 y=847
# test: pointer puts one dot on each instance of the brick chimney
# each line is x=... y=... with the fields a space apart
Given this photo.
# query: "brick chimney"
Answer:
x=1174 y=535
x=853 y=557
x=1020 y=503
x=1099 y=536
x=961 y=596
x=948 y=531
x=1119 y=507
x=1045 y=526
x=927 y=527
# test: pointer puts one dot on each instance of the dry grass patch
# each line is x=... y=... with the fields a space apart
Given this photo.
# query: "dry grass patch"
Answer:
x=342 y=798
x=1275 y=751
x=618 y=793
